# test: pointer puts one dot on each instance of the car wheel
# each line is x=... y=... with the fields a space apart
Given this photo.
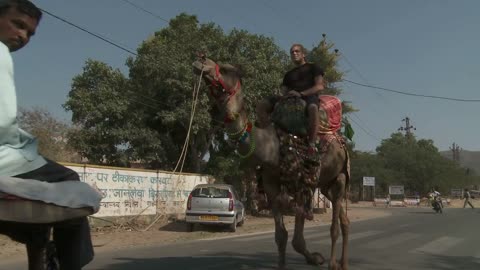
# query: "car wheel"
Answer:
x=233 y=226
x=190 y=227
x=242 y=221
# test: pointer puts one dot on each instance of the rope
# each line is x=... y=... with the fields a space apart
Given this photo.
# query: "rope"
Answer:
x=183 y=154
x=187 y=139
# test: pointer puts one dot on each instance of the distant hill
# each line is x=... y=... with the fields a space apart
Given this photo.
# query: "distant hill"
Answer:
x=468 y=159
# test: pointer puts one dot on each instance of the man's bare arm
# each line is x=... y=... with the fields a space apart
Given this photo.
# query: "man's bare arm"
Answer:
x=316 y=88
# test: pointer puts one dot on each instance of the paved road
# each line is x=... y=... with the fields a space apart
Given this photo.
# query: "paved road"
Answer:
x=414 y=239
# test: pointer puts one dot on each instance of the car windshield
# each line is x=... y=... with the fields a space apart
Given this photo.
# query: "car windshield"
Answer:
x=210 y=192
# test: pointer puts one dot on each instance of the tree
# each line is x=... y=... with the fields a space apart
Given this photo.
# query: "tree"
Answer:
x=50 y=132
x=404 y=160
x=370 y=164
x=261 y=62
x=147 y=115
x=100 y=114
x=327 y=57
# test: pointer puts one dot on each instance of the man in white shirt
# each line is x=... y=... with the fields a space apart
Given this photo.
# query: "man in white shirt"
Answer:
x=18 y=149
x=467 y=196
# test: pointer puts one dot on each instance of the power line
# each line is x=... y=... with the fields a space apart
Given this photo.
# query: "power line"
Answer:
x=361 y=121
x=345 y=58
x=144 y=10
x=363 y=129
x=352 y=82
x=266 y=4
x=116 y=45
x=411 y=94
x=381 y=88
x=89 y=32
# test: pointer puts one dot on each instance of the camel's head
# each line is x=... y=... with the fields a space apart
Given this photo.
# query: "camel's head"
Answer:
x=224 y=81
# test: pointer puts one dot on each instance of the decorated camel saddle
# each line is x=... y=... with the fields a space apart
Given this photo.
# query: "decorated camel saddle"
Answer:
x=32 y=201
x=291 y=121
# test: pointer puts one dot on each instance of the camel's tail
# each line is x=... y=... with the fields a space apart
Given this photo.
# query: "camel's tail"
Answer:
x=347 y=175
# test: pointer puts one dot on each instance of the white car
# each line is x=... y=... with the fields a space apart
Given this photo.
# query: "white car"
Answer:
x=214 y=204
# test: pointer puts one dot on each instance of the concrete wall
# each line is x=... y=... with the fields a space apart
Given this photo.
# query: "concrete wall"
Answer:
x=131 y=192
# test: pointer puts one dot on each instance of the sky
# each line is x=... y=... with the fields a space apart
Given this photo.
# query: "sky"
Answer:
x=424 y=47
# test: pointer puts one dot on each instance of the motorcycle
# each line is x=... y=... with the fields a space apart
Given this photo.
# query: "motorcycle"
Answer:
x=436 y=202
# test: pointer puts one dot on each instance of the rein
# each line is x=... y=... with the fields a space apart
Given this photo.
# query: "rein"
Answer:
x=218 y=81
x=248 y=129
x=242 y=135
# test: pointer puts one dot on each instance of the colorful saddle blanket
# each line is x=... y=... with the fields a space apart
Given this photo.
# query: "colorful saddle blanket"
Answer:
x=290 y=115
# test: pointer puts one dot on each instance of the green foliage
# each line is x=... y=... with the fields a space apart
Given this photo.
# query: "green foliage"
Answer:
x=100 y=113
x=145 y=117
x=326 y=56
x=416 y=164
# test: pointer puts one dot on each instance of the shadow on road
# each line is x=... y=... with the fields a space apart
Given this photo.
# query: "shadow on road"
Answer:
x=424 y=212
x=181 y=226
x=448 y=262
x=213 y=262
x=220 y=261
x=268 y=261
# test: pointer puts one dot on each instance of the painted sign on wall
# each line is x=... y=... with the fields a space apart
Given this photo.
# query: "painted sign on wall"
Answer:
x=133 y=192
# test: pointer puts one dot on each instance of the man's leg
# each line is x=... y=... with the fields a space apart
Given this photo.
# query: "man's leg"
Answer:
x=471 y=205
x=74 y=244
x=313 y=119
x=465 y=203
x=72 y=237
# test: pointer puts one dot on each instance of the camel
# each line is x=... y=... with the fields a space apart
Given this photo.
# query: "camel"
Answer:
x=29 y=219
x=262 y=147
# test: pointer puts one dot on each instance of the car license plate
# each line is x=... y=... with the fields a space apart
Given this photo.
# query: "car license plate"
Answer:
x=209 y=218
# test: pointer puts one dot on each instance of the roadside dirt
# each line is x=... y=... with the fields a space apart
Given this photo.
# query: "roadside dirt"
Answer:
x=165 y=232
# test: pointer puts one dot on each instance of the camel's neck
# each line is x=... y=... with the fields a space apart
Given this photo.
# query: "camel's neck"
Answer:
x=259 y=143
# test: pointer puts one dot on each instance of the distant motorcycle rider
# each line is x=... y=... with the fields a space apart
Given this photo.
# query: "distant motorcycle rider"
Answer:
x=436 y=200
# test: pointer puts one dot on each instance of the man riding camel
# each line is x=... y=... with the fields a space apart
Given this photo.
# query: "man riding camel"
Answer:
x=305 y=80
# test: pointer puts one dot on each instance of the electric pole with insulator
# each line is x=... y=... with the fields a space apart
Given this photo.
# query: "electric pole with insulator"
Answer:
x=408 y=127
x=455 y=152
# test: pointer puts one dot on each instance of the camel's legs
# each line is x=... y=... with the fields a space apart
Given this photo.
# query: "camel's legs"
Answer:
x=337 y=194
x=281 y=235
x=345 y=225
x=279 y=202
x=334 y=232
x=298 y=241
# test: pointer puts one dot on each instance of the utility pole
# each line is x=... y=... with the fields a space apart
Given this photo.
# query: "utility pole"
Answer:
x=407 y=128
x=455 y=152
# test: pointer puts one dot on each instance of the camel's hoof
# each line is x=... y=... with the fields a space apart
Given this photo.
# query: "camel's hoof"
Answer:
x=334 y=267
x=316 y=259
